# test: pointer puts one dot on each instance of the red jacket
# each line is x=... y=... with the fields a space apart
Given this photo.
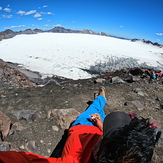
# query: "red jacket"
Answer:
x=77 y=149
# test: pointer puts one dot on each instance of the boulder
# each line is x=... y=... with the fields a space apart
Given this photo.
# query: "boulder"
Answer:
x=136 y=71
x=131 y=78
x=138 y=105
x=99 y=80
x=28 y=115
x=5 y=123
x=117 y=79
x=63 y=117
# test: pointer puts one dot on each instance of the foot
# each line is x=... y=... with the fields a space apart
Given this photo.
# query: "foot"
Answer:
x=95 y=95
x=102 y=91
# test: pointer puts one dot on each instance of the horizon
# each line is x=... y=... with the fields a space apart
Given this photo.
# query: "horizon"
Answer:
x=137 y=19
x=81 y=33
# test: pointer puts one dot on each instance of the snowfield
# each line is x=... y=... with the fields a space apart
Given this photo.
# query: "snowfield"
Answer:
x=68 y=54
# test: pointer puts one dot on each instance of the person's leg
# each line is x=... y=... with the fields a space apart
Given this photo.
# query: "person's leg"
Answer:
x=96 y=107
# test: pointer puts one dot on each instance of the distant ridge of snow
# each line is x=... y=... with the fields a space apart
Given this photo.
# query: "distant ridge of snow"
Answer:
x=72 y=55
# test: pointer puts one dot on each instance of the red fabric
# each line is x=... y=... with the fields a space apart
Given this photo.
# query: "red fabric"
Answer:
x=159 y=73
x=81 y=141
x=26 y=157
x=78 y=148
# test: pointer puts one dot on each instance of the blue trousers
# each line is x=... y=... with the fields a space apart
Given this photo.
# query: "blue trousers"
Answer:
x=96 y=107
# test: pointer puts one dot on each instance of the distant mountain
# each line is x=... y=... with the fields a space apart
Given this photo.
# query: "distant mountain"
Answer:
x=7 y=34
x=63 y=30
x=147 y=42
x=10 y=34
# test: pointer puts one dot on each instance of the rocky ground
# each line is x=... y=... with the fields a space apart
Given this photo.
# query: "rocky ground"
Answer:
x=34 y=118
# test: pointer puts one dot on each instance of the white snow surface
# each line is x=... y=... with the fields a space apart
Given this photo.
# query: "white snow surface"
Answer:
x=66 y=54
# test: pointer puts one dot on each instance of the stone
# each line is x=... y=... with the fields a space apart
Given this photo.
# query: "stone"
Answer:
x=140 y=93
x=5 y=123
x=49 y=151
x=41 y=141
x=117 y=79
x=29 y=115
x=138 y=105
x=99 y=80
x=63 y=117
x=55 y=128
x=136 y=90
x=135 y=78
x=136 y=71
x=22 y=147
x=131 y=78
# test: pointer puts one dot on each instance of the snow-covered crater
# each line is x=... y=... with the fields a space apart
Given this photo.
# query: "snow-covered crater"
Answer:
x=68 y=55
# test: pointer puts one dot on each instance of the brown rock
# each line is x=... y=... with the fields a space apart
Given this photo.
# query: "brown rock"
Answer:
x=63 y=117
x=4 y=124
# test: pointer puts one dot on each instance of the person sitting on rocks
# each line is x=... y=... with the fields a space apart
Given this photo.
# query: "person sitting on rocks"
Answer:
x=95 y=137
x=159 y=75
x=153 y=74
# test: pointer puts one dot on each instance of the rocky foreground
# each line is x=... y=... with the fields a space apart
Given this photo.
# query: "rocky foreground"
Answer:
x=34 y=118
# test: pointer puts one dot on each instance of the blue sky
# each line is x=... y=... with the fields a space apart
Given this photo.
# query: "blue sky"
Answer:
x=142 y=19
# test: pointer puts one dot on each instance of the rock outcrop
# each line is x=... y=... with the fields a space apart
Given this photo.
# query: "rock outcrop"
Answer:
x=11 y=77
